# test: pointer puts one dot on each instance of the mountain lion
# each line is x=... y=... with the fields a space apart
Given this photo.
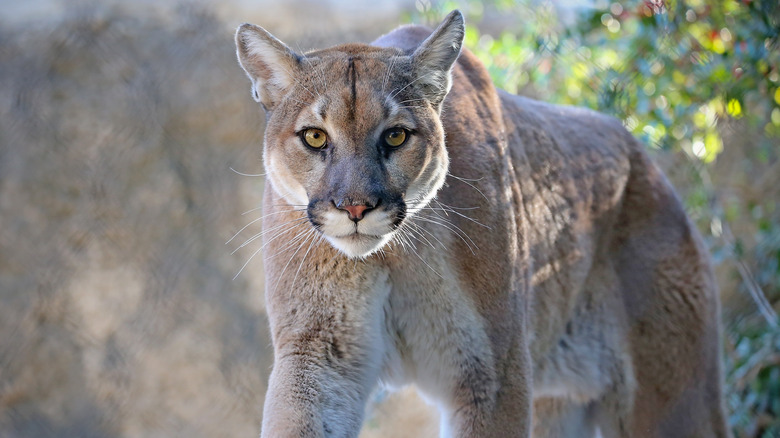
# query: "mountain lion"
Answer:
x=524 y=264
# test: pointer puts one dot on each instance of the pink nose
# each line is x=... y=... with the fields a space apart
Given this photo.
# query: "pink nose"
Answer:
x=355 y=211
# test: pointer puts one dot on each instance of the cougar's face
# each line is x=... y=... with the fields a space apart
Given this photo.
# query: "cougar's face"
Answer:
x=356 y=146
x=353 y=134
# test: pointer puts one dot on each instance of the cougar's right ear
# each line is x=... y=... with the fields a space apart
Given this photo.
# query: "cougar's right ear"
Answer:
x=434 y=58
x=269 y=63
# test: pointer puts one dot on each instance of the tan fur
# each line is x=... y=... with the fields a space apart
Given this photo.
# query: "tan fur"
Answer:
x=554 y=286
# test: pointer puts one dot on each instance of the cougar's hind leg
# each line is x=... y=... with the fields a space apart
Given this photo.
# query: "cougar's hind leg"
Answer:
x=671 y=300
x=675 y=339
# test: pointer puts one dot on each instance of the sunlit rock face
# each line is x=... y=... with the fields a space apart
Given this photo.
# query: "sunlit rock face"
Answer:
x=119 y=315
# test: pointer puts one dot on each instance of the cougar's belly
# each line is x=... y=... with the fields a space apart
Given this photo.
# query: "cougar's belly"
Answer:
x=589 y=351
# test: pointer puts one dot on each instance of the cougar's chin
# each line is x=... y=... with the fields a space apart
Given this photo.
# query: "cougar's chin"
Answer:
x=359 y=245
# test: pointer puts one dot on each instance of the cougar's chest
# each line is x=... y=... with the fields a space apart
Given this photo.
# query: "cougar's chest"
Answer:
x=432 y=332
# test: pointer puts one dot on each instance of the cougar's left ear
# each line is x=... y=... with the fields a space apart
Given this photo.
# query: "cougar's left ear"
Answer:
x=434 y=58
x=269 y=63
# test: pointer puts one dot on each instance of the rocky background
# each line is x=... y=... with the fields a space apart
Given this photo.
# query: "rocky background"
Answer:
x=119 y=312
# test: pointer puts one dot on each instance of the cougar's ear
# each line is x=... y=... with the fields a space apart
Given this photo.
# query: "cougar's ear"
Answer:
x=434 y=58
x=269 y=63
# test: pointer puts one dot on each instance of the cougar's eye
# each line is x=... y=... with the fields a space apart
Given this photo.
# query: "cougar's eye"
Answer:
x=315 y=138
x=394 y=137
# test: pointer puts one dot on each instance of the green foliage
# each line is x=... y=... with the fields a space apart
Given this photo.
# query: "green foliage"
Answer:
x=679 y=74
x=670 y=71
x=753 y=381
x=752 y=349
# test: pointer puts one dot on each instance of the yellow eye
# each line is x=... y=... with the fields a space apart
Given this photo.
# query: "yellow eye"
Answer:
x=395 y=137
x=315 y=138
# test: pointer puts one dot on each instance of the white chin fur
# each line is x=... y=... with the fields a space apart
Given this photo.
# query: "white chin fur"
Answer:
x=359 y=245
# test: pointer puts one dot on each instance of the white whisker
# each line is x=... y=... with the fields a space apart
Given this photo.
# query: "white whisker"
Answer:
x=419 y=233
x=289 y=210
x=314 y=239
x=454 y=208
x=405 y=86
x=414 y=251
x=452 y=227
x=247 y=174
x=412 y=223
x=446 y=211
x=251 y=210
x=465 y=181
x=291 y=76
x=291 y=243
x=264 y=231
x=247 y=262
x=319 y=73
x=387 y=75
x=281 y=275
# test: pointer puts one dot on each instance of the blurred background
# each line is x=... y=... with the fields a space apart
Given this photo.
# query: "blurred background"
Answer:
x=130 y=152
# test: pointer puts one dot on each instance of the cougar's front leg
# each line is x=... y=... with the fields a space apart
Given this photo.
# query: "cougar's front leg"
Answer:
x=495 y=409
x=327 y=344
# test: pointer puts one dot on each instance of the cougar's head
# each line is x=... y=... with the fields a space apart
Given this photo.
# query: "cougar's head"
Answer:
x=353 y=131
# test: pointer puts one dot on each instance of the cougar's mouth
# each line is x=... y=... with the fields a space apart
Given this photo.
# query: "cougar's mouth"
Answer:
x=356 y=239
x=358 y=245
x=359 y=235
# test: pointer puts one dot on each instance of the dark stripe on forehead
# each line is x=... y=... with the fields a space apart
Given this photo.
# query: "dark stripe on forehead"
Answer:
x=352 y=77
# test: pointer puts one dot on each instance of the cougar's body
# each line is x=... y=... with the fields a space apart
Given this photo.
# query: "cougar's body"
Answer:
x=524 y=264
